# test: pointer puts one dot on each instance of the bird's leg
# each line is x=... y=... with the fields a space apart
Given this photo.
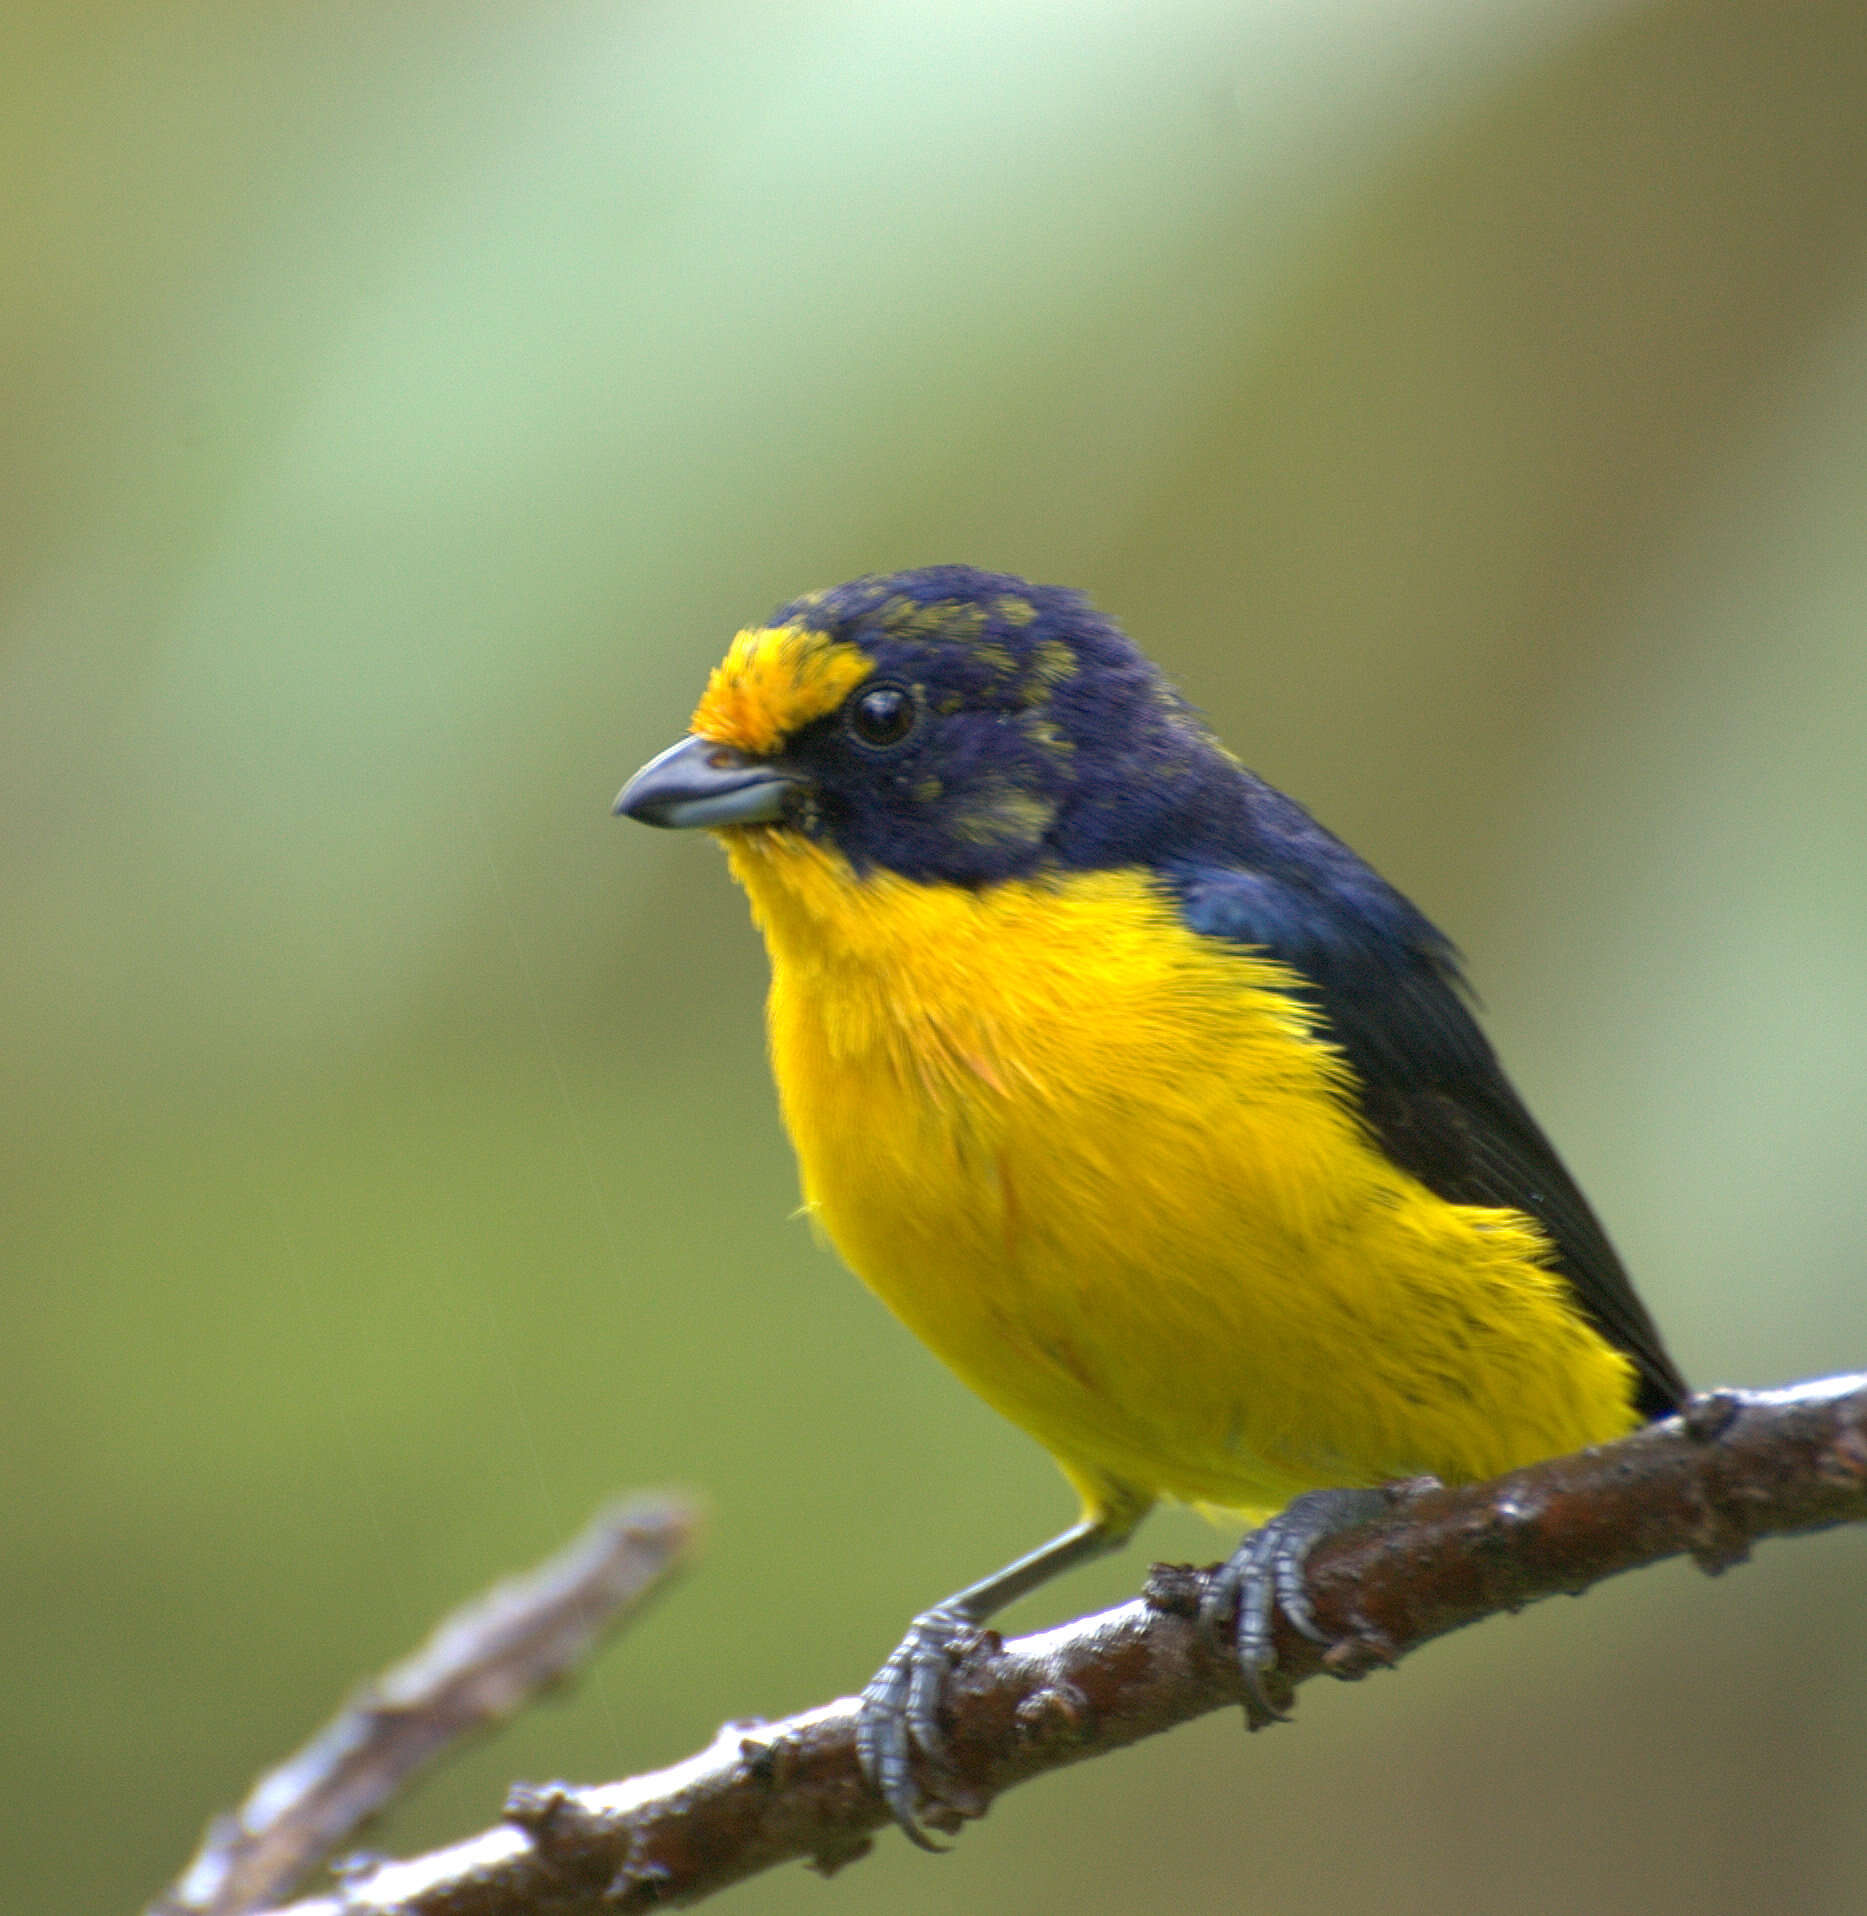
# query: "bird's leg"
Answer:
x=900 y=1714
x=1265 y=1574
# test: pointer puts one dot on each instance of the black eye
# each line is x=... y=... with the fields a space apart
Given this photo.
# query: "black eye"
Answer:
x=881 y=714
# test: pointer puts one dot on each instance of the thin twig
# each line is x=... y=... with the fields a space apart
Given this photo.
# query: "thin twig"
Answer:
x=485 y=1661
x=1737 y=1467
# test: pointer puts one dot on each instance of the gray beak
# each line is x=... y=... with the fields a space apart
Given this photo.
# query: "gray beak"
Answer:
x=700 y=783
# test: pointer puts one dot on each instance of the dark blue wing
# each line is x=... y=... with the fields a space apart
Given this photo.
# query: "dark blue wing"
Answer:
x=1430 y=1089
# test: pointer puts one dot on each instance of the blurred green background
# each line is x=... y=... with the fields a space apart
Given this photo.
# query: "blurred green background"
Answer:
x=402 y=406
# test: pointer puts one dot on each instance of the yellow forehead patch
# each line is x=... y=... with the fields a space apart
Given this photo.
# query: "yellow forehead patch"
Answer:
x=774 y=679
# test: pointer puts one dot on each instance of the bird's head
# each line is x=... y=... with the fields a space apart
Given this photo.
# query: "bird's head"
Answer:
x=944 y=724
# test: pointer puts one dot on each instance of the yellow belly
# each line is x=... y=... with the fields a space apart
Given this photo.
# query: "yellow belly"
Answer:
x=1104 y=1168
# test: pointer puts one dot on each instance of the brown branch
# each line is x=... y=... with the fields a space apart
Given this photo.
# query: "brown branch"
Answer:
x=485 y=1661
x=1738 y=1467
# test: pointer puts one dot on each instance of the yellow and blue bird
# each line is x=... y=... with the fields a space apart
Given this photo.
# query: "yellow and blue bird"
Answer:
x=1139 y=1097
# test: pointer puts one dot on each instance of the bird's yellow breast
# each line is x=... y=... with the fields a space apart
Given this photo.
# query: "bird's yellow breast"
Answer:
x=1106 y=1168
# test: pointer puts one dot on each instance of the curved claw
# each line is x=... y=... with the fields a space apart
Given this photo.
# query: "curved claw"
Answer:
x=1265 y=1574
x=900 y=1714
